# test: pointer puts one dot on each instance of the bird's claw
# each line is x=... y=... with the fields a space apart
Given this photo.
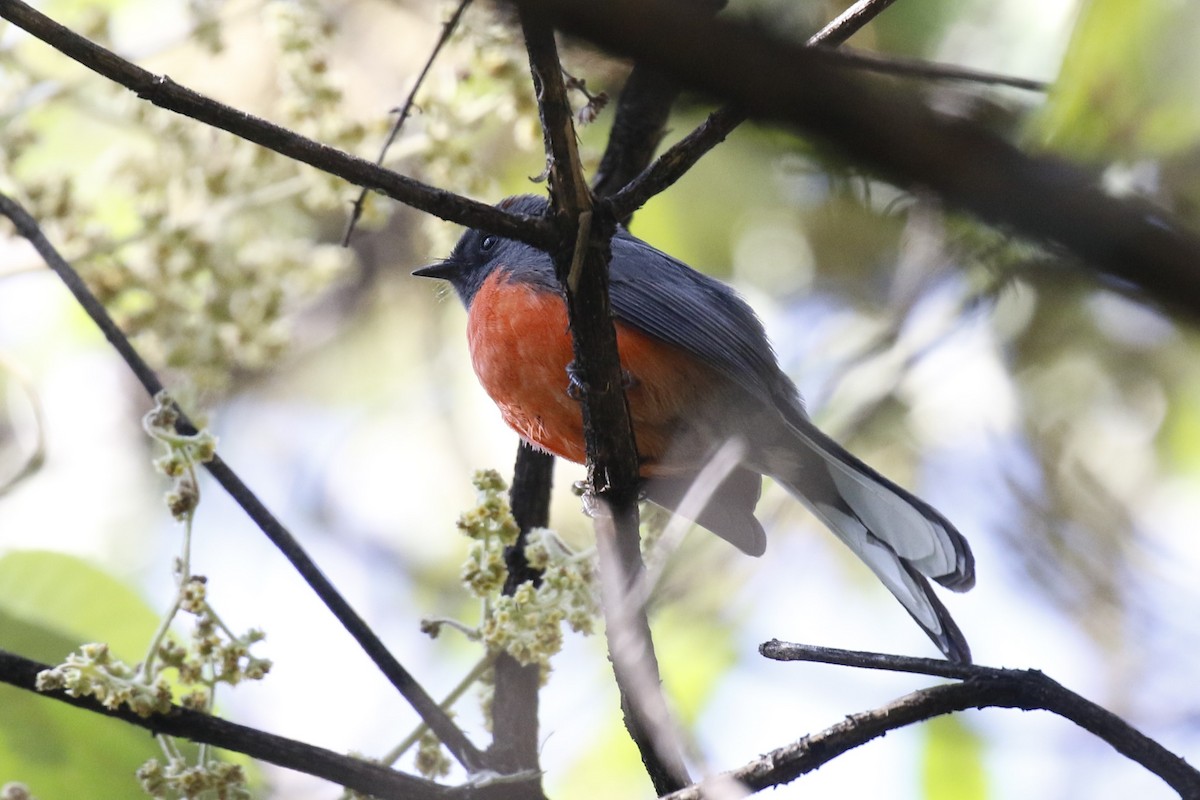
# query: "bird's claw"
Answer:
x=577 y=388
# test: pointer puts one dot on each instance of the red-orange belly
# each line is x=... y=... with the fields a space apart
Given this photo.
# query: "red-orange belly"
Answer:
x=520 y=348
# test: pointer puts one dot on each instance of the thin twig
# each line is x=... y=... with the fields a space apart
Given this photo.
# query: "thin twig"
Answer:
x=448 y=28
x=428 y=709
x=930 y=70
x=939 y=668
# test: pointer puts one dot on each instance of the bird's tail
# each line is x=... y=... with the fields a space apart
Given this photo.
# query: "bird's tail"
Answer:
x=900 y=537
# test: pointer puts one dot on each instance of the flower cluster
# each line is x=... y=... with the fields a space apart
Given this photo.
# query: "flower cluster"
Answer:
x=183 y=453
x=431 y=761
x=527 y=624
x=200 y=244
x=177 y=778
x=94 y=672
x=211 y=655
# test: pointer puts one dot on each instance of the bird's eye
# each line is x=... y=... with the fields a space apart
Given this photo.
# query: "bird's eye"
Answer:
x=487 y=243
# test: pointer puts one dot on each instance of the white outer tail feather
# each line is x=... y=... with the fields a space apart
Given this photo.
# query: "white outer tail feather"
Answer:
x=893 y=536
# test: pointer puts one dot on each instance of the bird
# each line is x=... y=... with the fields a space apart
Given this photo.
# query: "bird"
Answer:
x=699 y=371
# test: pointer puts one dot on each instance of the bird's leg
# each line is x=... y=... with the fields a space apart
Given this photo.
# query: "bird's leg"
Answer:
x=576 y=388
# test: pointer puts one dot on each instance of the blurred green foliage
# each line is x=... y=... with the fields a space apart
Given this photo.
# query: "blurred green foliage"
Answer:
x=50 y=603
x=219 y=256
x=952 y=763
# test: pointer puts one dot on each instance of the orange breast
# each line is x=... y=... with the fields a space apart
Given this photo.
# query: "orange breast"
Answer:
x=520 y=348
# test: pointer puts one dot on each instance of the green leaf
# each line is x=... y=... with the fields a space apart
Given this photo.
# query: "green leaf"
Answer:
x=694 y=654
x=952 y=763
x=57 y=750
x=51 y=603
x=81 y=603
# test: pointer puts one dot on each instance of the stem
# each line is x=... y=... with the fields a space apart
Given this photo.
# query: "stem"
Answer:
x=469 y=680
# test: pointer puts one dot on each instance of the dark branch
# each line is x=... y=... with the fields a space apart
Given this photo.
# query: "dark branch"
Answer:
x=515 y=702
x=581 y=261
x=939 y=668
x=638 y=127
x=353 y=773
x=431 y=713
x=683 y=155
x=165 y=93
x=900 y=138
x=983 y=687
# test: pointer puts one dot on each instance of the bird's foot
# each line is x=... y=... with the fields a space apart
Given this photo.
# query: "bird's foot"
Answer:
x=577 y=388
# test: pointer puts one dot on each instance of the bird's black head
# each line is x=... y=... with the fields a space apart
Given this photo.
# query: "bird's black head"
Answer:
x=478 y=254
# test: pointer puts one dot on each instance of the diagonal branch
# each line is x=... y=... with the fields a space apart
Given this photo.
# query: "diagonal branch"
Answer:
x=428 y=709
x=683 y=155
x=353 y=773
x=165 y=93
x=448 y=28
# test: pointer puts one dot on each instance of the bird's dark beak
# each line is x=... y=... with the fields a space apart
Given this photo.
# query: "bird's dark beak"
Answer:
x=442 y=269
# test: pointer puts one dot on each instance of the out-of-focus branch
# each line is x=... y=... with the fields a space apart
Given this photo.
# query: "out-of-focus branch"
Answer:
x=930 y=70
x=165 y=93
x=425 y=706
x=683 y=155
x=897 y=136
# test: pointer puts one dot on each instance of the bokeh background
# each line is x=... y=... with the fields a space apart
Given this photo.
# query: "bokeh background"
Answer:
x=1055 y=418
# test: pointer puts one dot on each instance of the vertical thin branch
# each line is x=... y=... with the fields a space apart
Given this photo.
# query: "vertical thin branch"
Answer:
x=515 y=703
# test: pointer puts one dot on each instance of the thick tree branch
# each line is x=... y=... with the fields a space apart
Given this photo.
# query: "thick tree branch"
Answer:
x=894 y=134
x=353 y=773
x=428 y=709
x=165 y=93
x=982 y=687
x=581 y=261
